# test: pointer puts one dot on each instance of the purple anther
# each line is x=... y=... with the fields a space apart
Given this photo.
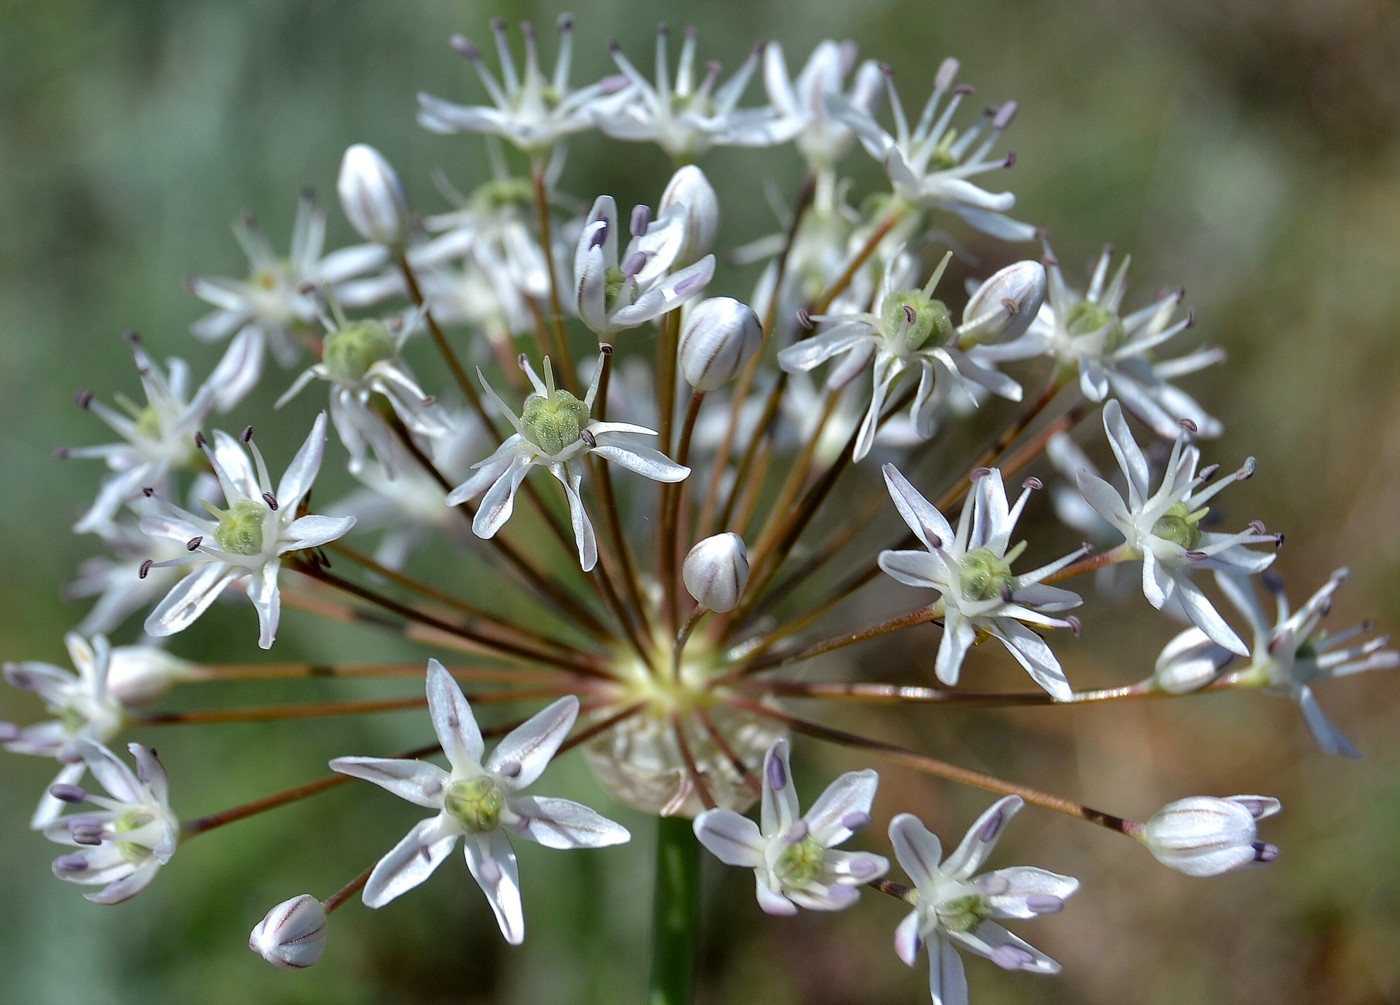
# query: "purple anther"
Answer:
x=887 y=70
x=855 y=820
x=910 y=315
x=588 y=438
x=74 y=862
x=527 y=29
x=863 y=867
x=83 y=397
x=1191 y=317
x=509 y=769
x=1044 y=903
x=1195 y=555
x=1076 y=627
x=145 y=568
x=804 y=319
x=1188 y=425
x=1006 y=594
x=307 y=288
x=614 y=47
x=992 y=885
x=992 y=827
x=490 y=871
x=566 y=23
x=634 y=264
x=498 y=24
x=1246 y=469
x=1272 y=581
x=1010 y=957
x=641 y=219
x=1265 y=853
x=66 y=793
x=600 y=236
x=1010 y=160
x=1010 y=306
x=193 y=543
x=1033 y=483
x=689 y=283
x=247 y=435
x=1258 y=527
x=1050 y=261
x=132 y=336
x=60 y=453
x=148 y=491
x=977 y=474
x=199 y=441
x=606 y=348
x=86 y=833
x=1208 y=472
x=963 y=90
x=1004 y=115
x=465 y=47
x=797 y=833
x=250 y=219
x=271 y=501
x=777 y=774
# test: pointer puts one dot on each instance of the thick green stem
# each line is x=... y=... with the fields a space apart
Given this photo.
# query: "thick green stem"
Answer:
x=673 y=912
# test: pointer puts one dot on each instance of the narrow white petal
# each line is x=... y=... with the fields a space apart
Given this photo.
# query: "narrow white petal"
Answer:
x=847 y=800
x=562 y=823
x=917 y=850
x=981 y=838
x=525 y=751
x=452 y=717
x=411 y=861
x=419 y=782
x=779 y=808
x=922 y=517
x=492 y=863
x=731 y=838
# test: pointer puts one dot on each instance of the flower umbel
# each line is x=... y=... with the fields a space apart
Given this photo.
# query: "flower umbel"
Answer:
x=479 y=802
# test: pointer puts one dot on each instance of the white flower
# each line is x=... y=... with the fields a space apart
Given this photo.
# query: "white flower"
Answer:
x=1206 y=836
x=1119 y=354
x=125 y=843
x=909 y=330
x=372 y=197
x=972 y=571
x=792 y=855
x=688 y=119
x=157 y=439
x=275 y=306
x=292 y=935
x=479 y=802
x=613 y=294
x=1163 y=529
x=953 y=908
x=716 y=571
x=531 y=111
x=553 y=431
x=930 y=165
x=823 y=138
x=1288 y=654
x=248 y=538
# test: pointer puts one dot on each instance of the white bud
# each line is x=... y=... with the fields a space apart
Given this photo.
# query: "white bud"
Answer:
x=716 y=571
x=372 y=197
x=1188 y=662
x=137 y=675
x=1206 y=836
x=690 y=189
x=719 y=337
x=293 y=935
x=1005 y=305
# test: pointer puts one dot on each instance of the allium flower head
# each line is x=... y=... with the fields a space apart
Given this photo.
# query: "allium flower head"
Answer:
x=554 y=431
x=479 y=802
x=953 y=908
x=972 y=571
x=123 y=844
x=1163 y=528
x=248 y=537
x=792 y=856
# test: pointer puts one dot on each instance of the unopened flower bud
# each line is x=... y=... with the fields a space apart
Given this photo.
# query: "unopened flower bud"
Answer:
x=1206 y=836
x=719 y=337
x=1189 y=661
x=372 y=198
x=1005 y=305
x=138 y=675
x=716 y=571
x=293 y=935
x=690 y=188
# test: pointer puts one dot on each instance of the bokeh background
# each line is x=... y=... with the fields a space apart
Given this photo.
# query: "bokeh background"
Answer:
x=1246 y=151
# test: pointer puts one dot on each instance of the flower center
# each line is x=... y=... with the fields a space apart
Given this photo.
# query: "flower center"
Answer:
x=475 y=803
x=1086 y=318
x=911 y=317
x=553 y=421
x=240 y=529
x=350 y=351
x=1180 y=526
x=984 y=574
x=132 y=820
x=801 y=863
x=962 y=914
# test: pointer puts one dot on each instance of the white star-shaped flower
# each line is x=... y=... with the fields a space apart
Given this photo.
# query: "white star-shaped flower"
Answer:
x=953 y=908
x=792 y=856
x=972 y=571
x=1163 y=527
x=479 y=802
x=247 y=538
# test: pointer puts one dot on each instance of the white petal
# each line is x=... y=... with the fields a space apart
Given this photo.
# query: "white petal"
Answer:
x=947 y=982
x=419 y=782
x=981 y=837
x=1331 y=739
x=525 y=751
x=1034 y=653
x=1205 y=617
x=922 y=517
x=411 y=861
x=267 y=601
x=452 y=717
x=731 y=838
x=312 y=531
x=915 y=568
x=297 y=479
x=492 y=863
x=958 y=633
x=645 y=461
x=917 y=850
x=846 y=801
x=771 y=901
x=562 y=823
x=189 y=598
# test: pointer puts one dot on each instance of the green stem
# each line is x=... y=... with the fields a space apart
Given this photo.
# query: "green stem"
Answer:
x=673 y=912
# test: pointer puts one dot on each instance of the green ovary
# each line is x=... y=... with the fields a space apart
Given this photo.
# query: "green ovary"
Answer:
x=349 y=352
x=963 y=914
x=475 y=803
x=129 y=821
x=931 y=319
x=1180 y=526
x=984 y=574
x=1085 y=318
x=801 y=863
x=240 y=529
x=553 y=422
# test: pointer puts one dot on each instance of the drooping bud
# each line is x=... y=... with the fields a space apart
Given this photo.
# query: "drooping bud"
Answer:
x=690 y=188
x=1189 y=661
x=720 y=336
x=372 y=198
x=1004 y=306
x=292 y=935
x=1206 y=836
x=716 y=572
x=138 y=675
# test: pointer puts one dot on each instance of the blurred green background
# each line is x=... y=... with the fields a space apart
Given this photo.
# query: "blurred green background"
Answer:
x=1246 y=151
